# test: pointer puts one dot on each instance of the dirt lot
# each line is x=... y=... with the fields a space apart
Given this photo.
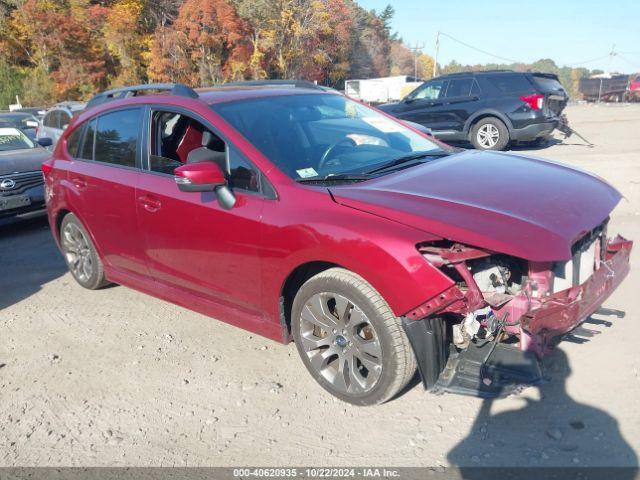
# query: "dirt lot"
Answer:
x=115 y=377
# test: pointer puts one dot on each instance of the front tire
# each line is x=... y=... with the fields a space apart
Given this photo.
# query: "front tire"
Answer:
x=490 y=134
x=80 y=254
x=349 y=339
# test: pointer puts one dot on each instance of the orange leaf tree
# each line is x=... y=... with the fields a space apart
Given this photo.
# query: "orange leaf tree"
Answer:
x=207 y=43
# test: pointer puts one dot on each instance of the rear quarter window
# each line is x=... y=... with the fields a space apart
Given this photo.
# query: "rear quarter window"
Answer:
x=510 y=83
x=547 y=84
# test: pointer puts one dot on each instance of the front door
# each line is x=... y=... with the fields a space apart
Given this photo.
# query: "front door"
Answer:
x=191 y=243
x=425 y=104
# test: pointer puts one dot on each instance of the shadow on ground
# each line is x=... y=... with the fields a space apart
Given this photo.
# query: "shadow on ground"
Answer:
x=530 y=147
x=29 y=258
x=554 y=431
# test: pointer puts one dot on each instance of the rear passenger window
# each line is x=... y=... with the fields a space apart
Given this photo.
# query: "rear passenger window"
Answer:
x=117 y=137
x=86 y=150
x=459 y=87
x=73 y=142
x=65 y=119
x=511 y=83
x=54 y=119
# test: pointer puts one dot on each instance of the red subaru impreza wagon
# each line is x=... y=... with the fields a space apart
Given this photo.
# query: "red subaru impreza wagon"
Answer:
x=294 y=212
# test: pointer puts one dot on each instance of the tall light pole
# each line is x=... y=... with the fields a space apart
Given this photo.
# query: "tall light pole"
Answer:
x=435 y=58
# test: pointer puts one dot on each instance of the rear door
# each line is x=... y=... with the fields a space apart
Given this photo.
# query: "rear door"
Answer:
x=103 y=178
x=462 y=98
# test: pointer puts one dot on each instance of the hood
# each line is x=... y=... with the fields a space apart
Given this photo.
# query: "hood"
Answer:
x=18 y=161
x=388 y=107
x=526 y=207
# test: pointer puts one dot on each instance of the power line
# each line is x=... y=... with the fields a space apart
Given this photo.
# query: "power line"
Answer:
x=478 y=49
x=592 y=60
x=628 y=61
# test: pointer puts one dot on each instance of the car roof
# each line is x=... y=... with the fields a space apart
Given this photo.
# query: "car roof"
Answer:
x=15 y=114
x=222 y=94
x=497 y=72
x=68 y=106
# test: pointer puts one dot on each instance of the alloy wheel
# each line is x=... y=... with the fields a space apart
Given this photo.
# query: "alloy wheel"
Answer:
x=488 y=135
x=77 y=252
x=341 y=343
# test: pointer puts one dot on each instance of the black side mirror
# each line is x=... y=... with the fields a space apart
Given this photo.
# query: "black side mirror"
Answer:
x=45 y=142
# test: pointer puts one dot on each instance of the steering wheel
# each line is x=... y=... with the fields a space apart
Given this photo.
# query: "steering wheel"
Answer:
x=326 y=156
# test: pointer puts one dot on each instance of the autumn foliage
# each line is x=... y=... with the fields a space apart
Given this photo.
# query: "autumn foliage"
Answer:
x=69 y=49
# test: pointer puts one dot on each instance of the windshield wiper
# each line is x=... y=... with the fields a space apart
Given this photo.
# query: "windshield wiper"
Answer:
x=406 y=159
x=336 y=177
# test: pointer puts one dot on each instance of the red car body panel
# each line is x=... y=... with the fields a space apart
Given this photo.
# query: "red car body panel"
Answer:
x=233 y=264
x=529 y=208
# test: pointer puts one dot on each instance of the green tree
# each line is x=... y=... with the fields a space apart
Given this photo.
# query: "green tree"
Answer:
x=10 y=84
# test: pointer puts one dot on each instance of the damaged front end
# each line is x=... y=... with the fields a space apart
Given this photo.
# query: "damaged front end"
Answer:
x=486 y=333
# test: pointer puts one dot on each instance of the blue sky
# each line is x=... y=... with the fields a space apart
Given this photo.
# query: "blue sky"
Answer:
x=568 y=31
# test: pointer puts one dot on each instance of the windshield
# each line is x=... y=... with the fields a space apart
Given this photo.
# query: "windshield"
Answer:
x=18 y=119
x=317 y=135
x=14 y=139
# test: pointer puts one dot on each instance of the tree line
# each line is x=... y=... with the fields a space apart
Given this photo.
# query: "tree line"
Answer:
x=53 y=50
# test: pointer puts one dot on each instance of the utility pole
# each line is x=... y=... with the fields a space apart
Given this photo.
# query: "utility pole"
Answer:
x=612 y=54
x=417 y=48
x=435 y=58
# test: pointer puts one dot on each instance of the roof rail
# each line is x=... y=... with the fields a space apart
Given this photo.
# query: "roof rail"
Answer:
x=275 y=83
x=132 y=91
x=475 y=72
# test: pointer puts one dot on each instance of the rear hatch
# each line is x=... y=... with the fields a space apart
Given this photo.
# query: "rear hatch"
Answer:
x=555 y=96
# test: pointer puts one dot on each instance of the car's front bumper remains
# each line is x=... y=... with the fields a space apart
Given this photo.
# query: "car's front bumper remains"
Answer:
x=490 y=367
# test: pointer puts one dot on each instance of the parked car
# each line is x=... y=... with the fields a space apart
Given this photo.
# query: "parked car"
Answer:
x=38 y=112
x=57 y=119
x=24 y=121
x=302 y=215
x=21 y=182
x=490 y=109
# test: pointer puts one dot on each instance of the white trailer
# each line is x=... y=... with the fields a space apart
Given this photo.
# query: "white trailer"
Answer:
x=381 y=90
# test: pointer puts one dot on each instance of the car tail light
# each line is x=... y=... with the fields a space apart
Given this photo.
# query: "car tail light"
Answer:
x=47 y=167
x=535 y=100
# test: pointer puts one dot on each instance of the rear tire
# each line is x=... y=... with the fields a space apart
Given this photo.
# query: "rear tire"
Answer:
x=80 y=254
x=490 y=133
x=349 y=339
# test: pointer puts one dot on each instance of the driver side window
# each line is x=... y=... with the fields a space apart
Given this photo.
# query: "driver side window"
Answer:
x=430 y=91
x=176 y=139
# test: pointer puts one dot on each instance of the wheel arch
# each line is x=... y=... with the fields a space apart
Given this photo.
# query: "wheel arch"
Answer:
x=59 y=217
x=296 y=278
x=476 y=117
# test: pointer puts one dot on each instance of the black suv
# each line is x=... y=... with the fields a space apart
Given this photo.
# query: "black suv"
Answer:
x=490 y=109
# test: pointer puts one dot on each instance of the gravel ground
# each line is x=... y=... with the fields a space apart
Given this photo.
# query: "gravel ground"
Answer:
x=118 y=378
